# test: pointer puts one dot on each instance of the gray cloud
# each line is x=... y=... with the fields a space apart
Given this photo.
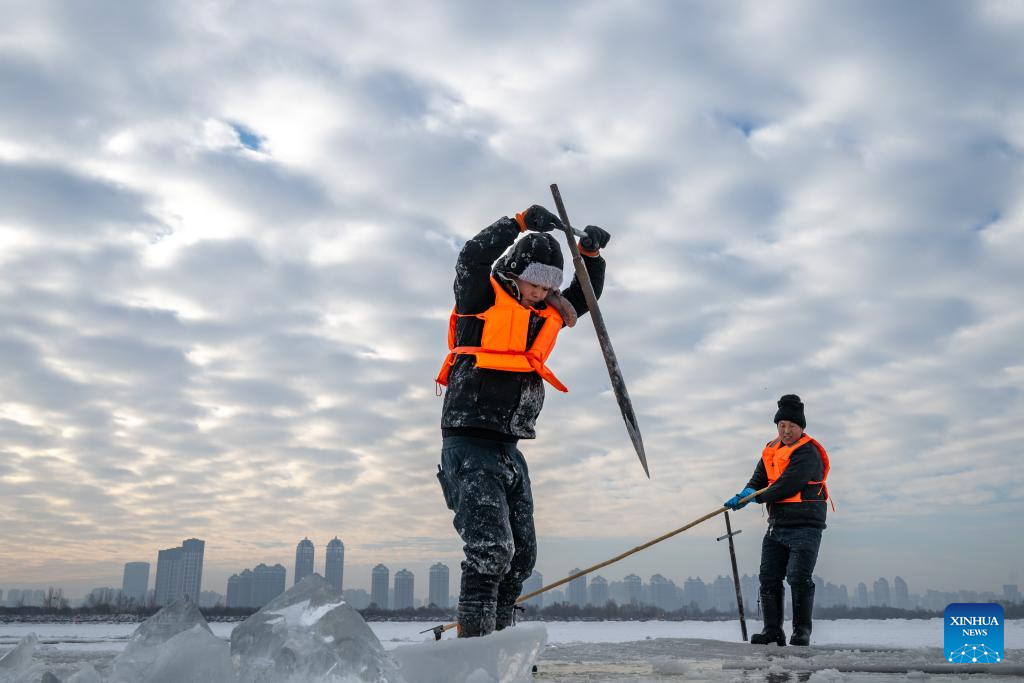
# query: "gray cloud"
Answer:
x=64 y=202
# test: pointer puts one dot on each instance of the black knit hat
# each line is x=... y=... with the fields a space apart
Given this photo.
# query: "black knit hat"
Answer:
x=536 y=258
x=791 y=408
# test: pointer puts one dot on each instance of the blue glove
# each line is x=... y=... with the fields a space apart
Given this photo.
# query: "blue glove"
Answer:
x=734 y=502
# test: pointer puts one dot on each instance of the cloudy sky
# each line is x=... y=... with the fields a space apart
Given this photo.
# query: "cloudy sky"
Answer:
x=228 y=232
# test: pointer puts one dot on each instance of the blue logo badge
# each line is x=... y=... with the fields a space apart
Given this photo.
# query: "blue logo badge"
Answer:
x=973 y=633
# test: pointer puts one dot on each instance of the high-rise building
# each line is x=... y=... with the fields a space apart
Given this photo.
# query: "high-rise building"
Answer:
x=828 y=594
x=634 y=588
x=662 y=592
x=304 y=556
x=232 y=599
x=900 y=593
x=598 y=591
x=256 y=587
x=723 y=594
x=750 y=589
x=881 y=593
x=403 y=589
x=334 y=565
x=356 y=598
x=381 y=575
x=576 y=591
x=695 y=592
x=179 y=572
x=135 y=581
x=168 y=575
x=211 y=599
x=106 y=595
x=267 y=583
x=936 y=601
x=240 y=589
x=192 y=551
x=439 y=585
x=534 y=582
x=1011 y=593
x=862 y=599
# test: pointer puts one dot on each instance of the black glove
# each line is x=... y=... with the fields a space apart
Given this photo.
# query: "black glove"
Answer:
x=540 y=219
x=594 y=238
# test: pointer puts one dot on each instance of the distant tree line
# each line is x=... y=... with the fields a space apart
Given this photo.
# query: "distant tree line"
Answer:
x=640 y=612
x=56 y=605
x=429 y=613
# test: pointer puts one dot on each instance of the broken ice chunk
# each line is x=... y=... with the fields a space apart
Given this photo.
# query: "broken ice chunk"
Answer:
x=307 y=633
x=16 y=665
x=196 y=656
x=505 y=656
x=144 y=645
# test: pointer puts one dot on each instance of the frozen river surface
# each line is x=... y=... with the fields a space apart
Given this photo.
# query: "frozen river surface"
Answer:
x=844 y=650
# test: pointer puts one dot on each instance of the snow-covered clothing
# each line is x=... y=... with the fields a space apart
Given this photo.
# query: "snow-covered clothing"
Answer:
x=488 y=407
x=536 y=258
x=487 y=484
x=496 y=404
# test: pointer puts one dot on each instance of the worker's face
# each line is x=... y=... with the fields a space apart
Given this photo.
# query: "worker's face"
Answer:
x=531 y=294
x=789 y=432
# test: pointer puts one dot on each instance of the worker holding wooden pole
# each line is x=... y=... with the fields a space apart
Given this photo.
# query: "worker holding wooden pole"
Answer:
x=794 y=468
x=508 y=312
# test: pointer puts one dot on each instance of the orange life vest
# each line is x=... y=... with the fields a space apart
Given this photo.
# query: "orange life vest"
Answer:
x=776 y=459
x=503 y=342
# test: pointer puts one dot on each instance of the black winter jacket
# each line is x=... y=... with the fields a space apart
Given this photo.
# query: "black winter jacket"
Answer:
x=805 y=465
x=496 y=404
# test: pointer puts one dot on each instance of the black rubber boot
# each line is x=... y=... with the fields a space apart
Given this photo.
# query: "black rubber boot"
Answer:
x=803 y=605
x=505 y=616
x=475 y=619
x=771 y=611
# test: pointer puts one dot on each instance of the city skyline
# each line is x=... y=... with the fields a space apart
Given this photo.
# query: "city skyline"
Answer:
x=363 y=573
x=255 y=587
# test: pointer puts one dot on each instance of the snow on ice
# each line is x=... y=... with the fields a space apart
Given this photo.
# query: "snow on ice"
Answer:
x=177 y=644
x=305 y=634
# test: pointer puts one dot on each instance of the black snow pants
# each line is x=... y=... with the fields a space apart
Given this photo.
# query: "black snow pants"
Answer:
x=487 y=484
x=790 y=553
